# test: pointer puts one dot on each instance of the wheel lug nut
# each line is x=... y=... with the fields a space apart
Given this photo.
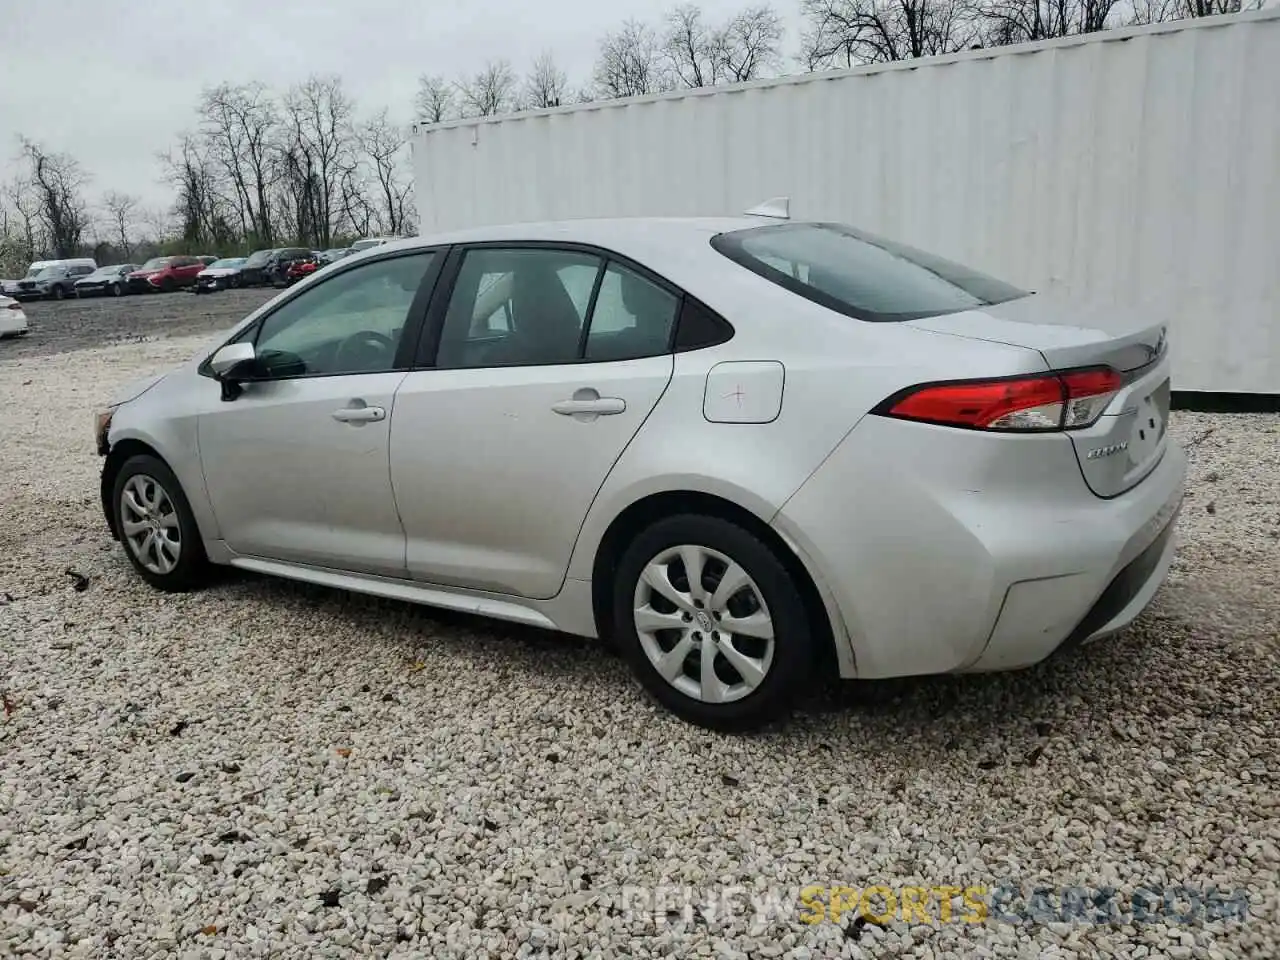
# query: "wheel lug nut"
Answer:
x=686 y=617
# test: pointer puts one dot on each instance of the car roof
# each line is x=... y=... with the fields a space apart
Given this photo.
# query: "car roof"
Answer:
x=661 y=243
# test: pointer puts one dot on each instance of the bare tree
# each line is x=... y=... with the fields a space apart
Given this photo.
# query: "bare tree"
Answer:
x=692 y=48
x=843 y=33
x=25 y=232
x=490 y=91
x=240 y=123
x=383 y=143
x=545 y=85
x=317 y=153
x=58 y=182
x=750 y=45
x=200 y=211
x=121 y=210
x=434 y=102
x=631 y=62
x=1018 y=21
x=1161 y=11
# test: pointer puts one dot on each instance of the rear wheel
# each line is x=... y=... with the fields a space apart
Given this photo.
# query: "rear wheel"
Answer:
x=712 y=622
x=157 y=526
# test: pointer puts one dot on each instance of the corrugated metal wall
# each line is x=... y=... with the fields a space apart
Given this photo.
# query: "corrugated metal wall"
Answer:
x=1136 y=166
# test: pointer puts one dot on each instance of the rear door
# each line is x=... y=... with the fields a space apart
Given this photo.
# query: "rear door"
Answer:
x=544 y=362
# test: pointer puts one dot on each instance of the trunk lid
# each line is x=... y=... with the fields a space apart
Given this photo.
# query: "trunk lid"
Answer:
x=1128 y=440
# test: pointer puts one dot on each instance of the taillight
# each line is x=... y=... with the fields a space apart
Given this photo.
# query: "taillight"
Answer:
x=1066 y=400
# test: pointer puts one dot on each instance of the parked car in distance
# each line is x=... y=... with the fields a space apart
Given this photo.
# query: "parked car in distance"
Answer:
x=54 y=281
x=164 y=274
x=13 y=321
x=252 y=270
x=368 y=243
x=208 y=259
x=8 y=287
x=219 y=275
x=581 y=425
x=277 y=269
x=300 y=269
x=334 y=254
x=113 y=280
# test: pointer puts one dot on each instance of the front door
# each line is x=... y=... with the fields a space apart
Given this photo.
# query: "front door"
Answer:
x=549 y=361
x=296 y=465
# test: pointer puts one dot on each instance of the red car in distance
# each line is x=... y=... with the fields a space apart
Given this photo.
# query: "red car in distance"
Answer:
x=165 y=274
x=300 y=269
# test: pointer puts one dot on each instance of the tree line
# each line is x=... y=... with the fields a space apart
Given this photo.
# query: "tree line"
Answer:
x=262 y=168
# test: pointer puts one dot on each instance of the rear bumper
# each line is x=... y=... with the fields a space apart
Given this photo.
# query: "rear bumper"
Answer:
x=950 y=551
x=11 y=322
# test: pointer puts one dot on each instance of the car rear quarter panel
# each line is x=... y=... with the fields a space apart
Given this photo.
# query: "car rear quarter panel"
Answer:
x=836 y=370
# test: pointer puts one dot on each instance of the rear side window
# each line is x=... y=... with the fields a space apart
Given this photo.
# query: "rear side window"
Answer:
x=861 y=275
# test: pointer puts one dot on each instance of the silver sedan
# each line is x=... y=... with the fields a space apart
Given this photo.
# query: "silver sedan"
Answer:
x=744 y=450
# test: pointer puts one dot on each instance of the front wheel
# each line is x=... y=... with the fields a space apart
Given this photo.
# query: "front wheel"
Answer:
x=116 y=290
x=712 y=622
x=157 y=526
x=59 y=293
x=166 y=285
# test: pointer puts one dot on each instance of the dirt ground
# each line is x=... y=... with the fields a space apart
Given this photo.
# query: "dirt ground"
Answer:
x=63 y=326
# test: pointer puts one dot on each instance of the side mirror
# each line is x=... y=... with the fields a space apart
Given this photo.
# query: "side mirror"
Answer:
x=229 y=357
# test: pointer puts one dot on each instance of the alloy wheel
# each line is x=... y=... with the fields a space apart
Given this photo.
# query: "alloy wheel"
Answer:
x=703 y=624
x=149 y=522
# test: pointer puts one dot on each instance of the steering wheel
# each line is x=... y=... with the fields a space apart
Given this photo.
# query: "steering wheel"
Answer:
x=363 y=350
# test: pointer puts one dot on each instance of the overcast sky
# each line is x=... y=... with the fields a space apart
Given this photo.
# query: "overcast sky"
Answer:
x=112 y=82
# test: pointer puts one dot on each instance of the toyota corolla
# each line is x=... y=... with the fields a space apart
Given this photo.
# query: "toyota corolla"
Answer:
x=744 y=450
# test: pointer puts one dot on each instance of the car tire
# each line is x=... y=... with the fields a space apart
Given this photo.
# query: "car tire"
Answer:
x=115 y=290
x=166 y=285
x=179 y=563
x=753 y=679
x=58 y=292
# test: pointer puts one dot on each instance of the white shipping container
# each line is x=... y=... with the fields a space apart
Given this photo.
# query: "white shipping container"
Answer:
x=1139 y=166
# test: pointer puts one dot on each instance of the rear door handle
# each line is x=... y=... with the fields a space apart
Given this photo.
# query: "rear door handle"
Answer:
x=360 y=414
x=587 y=404
x=605 y=406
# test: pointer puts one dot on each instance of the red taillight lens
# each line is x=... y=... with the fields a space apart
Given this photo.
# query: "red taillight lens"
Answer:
x=1054 y=401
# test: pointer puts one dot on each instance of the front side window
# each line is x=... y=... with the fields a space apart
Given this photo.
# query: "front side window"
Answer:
x=859 y=274
x=351 y=323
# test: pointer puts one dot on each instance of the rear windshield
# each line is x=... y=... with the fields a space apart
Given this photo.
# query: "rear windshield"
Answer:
x=859 y=274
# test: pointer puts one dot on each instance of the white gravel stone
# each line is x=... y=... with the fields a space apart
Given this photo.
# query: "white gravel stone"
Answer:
x=372 y=778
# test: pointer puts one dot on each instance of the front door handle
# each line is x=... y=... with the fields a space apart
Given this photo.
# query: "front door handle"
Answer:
x=359 y=414
x=587 y=404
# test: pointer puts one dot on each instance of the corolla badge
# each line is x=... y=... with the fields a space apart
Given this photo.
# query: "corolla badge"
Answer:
x=1108 y=450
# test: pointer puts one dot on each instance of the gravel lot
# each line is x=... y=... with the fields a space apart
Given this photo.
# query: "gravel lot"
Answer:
x=270 y=769
x=98 y=321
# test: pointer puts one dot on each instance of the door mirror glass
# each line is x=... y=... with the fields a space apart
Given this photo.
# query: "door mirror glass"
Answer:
x=231 y=356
